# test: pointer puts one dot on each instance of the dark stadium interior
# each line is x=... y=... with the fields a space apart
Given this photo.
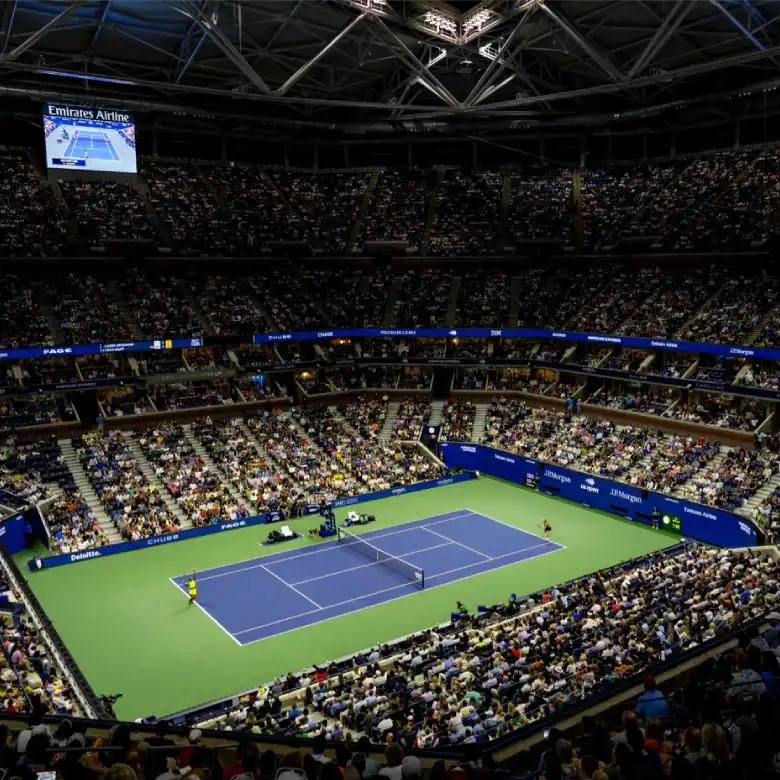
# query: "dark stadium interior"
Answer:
x=319 y=253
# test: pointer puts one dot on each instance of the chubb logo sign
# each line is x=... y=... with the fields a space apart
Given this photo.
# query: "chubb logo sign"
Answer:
x=84 y=555
x=589 y=485
x=618 y=493
x=558 y=477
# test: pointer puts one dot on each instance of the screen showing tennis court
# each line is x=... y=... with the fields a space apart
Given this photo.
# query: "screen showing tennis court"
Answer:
x=89 y=139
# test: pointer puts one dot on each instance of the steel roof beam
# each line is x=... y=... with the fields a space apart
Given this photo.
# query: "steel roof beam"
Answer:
x=741 y=27
x=192 y=56
x=643 y=81
x=31 y=40
x=304 y=69
x=483 y=87
x=597 y=56
x=668 y=27
x=427 y=79
x=99 y=27
x=8 y=23
x=221 y=40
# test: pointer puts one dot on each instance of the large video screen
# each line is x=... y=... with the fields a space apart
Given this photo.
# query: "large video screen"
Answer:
x=89 y=139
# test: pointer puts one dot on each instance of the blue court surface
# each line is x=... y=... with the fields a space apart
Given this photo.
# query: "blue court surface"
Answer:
x=96 y=145
x=274 y=594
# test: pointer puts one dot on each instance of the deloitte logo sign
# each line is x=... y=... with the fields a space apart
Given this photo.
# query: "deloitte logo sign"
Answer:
x=85 y=555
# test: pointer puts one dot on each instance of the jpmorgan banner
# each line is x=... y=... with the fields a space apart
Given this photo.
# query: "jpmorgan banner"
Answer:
x=705 y=523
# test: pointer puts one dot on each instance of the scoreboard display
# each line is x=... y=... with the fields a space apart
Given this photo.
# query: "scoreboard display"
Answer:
x=671 y=522
x=89 y=139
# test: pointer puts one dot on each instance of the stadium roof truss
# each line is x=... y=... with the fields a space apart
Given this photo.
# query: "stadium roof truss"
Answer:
x=415 y=61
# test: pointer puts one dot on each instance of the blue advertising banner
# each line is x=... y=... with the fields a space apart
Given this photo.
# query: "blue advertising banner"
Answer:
x=191 y=533
x=705 y=523
x=12 y=533
x=728 y=350
x=399 y=491
x=93 y=349
x=153 y=541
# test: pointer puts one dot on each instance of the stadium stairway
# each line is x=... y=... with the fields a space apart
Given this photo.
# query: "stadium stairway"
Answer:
x=125 y=310
x=203 y=320
x=706 y=305
x=478 y=429
x=437 y=408
x=148 y=472
x=251 y=293
x=210 y=463
x=365 y=202
x=392 y=297
x=46 y=309
x=82 y=482
x=387 y=428
x=433 y=208
x=514 y=301
x=750 y=506
x=156 y=219
x=756 y=332
x=713 y=465
x=315 y=299
x=452 y=300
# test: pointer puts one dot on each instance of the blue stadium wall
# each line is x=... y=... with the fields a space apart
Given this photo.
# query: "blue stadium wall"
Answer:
x=705 y=523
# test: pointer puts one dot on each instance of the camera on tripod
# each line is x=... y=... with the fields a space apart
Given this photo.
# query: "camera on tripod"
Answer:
x=109 y=701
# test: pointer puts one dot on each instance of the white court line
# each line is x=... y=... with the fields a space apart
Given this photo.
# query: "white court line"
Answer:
x=325 y=546
x=522 y=530
x=206 y=612
x=388 y=590
x=368 y=565
x=291 y=587
x=460 y=544
x=330 y=546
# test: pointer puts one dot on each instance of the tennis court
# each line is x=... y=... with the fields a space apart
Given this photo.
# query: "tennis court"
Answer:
x=123 y=620
x=290 y=590
x=96 y=145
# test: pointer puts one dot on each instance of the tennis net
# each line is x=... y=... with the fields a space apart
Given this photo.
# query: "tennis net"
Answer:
x=354 y=542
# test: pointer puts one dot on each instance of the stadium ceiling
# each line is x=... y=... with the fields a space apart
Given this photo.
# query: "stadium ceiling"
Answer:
x=394 y=63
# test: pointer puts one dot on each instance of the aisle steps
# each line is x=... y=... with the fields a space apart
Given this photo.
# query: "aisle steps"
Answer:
x=514 y=301
x=208 y=461
x=82 y=482
x=148 y=471
x=437 y=408
x=125 y=310
x=478 y=430
x=392 y=297
x=452 y=300
x=387 y=428
x=750 y=506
